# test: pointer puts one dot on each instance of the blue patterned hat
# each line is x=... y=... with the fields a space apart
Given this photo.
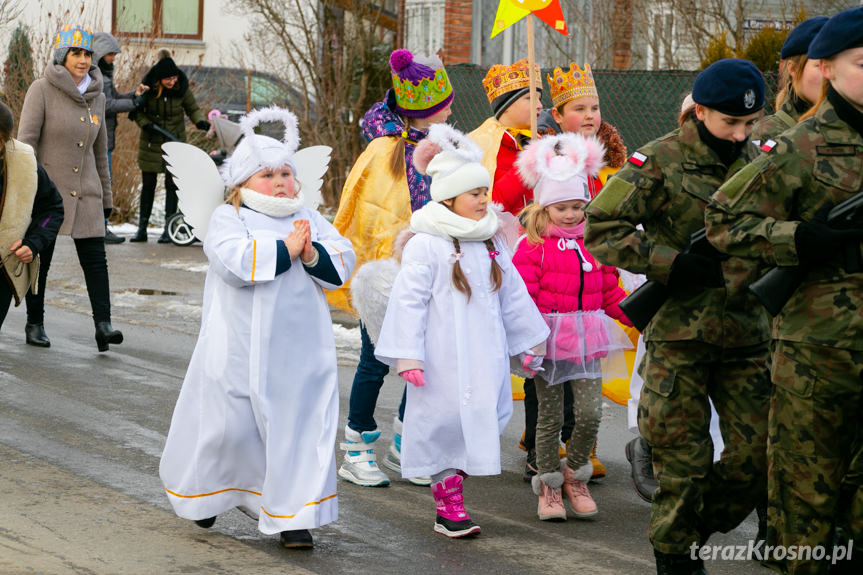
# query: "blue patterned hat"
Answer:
x=74 y=37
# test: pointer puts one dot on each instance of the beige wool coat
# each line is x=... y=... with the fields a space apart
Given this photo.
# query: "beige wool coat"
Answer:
x=67 y=131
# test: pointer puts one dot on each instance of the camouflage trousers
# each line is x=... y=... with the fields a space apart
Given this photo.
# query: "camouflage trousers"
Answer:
x=696 y=496
x=815 y=452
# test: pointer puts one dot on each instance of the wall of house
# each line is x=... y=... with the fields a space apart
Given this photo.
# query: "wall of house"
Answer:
x=222 y=31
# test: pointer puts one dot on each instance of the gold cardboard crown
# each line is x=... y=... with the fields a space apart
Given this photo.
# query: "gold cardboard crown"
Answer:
x=501 y=79
x=575 y=83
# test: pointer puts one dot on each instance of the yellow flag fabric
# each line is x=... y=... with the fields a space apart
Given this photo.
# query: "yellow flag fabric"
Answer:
x=511 y=11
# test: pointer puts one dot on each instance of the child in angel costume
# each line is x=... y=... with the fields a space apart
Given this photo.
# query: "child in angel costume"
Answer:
x=578 y=298
x=457 y=312
x=255 y=423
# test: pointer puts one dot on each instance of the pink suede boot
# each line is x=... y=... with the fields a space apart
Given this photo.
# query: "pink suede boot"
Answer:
x=452 y=518
x=550 y=505
x=575 y=488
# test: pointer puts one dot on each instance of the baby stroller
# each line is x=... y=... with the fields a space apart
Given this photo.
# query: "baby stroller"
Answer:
x=228 y=134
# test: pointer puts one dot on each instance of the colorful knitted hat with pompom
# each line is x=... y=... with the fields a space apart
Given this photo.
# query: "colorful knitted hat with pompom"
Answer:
x=421 y=85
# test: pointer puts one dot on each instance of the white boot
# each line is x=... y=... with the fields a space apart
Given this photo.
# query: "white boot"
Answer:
x=393 y=458
x=360 y=466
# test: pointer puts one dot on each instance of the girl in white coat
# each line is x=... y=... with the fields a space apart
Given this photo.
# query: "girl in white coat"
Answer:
x=255 y=423
x=457 y=312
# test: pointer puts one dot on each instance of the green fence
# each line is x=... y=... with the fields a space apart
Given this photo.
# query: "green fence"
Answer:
x=643 y=105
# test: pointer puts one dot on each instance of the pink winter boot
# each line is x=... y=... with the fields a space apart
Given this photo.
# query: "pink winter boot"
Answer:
x=452 y=519
x=575 y=488
x=550 y=505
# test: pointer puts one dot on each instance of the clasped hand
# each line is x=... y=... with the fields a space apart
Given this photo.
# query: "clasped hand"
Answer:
x=299 y=241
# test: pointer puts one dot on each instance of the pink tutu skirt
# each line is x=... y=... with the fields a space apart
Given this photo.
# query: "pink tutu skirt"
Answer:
x=583 y=345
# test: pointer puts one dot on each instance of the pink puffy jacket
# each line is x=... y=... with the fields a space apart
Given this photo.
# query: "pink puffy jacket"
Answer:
x=558 y=282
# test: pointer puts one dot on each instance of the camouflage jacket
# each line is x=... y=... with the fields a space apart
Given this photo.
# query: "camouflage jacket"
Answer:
x=769 y=127
x=667 y=195
x=756 y=213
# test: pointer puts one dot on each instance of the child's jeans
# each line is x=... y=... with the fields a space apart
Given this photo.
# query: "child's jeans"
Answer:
x=367 y=384
x=587 y=411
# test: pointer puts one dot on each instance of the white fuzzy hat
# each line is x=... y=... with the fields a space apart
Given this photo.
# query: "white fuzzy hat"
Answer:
x=557 y=167
x=256 y=152
x=453 y=161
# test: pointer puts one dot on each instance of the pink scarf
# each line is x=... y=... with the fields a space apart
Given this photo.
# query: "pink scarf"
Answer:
x=574 y=233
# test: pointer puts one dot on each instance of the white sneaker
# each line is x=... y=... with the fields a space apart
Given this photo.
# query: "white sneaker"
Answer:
x=359 y=466
x=393 y=458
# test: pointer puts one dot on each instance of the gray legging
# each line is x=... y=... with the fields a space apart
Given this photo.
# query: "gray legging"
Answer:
x=587 y=411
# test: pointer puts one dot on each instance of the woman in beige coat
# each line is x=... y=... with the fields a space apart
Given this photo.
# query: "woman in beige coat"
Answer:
x=63 y=120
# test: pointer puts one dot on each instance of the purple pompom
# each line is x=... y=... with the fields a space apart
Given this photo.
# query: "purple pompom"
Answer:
x=400 y=59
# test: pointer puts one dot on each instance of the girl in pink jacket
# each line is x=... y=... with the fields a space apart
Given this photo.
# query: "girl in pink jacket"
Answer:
x=578 y=298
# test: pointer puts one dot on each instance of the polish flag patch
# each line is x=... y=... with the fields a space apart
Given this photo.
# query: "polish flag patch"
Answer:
x=768 y=145
x=638 y=159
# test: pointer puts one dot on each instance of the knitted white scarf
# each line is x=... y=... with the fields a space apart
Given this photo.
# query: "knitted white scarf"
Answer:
x=270 y=205
x=436 y=219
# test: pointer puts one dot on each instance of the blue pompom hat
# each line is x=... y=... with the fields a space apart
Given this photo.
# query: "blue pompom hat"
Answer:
x=841 y=32
x=798 y=40
x=74 y=37
x=731 y=86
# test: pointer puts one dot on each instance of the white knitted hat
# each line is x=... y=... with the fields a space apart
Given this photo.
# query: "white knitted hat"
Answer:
x=256 y=152
x=453 y=161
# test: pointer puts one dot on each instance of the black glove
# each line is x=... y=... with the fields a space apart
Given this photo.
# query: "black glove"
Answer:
x=139 y=100
x=817 y=242
x=108 y=212
x=695 y=271
x=203 y=125
x=150 y=129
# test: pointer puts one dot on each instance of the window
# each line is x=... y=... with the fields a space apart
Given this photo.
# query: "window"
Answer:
x=158 y=18
x=424 y=26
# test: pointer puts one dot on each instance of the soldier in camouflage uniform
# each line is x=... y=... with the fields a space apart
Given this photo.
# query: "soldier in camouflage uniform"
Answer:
x=709 y=340
x=799 y=82
x=773 y=211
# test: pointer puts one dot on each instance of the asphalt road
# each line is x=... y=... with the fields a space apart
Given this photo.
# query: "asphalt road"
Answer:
x=81 y=434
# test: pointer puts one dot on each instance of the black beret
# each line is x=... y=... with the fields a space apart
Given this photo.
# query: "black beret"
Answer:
x=731 y=86
x=841 y=32
x=798 y=40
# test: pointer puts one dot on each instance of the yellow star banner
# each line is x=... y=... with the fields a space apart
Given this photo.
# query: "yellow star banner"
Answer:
x=511 y=11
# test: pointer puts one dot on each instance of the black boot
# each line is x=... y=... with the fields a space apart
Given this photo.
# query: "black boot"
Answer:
x=298 y=539
x=668 y=564
x=106 y=334
x=205 y=523
x=164 y=238
x=111 y=237
x=35 y=333
x=640 y=457
x=140 y=235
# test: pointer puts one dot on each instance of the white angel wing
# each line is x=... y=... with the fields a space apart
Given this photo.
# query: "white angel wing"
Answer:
x=312 y=163
x=370 y=292
x=200 y=188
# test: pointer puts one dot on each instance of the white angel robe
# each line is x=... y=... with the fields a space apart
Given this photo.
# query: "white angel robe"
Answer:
x=255 y=423
x=456 y=419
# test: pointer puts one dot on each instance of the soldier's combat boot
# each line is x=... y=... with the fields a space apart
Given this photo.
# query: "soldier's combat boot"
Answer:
x=640 y=457
x=669 y=564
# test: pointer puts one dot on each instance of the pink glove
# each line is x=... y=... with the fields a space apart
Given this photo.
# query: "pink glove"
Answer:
x=415 y=376
x=532 y=364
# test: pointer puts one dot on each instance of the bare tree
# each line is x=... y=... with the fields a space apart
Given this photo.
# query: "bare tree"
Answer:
x=336 y=54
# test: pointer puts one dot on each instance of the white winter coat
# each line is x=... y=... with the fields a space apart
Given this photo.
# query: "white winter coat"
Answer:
x=255 y=423
x=456 y=419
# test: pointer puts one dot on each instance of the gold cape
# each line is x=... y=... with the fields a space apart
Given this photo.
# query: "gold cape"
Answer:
x=373 y=208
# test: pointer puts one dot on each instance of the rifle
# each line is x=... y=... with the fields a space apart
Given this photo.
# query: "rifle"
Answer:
x=641 y=305
x=157 y=128
x=778 y=284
